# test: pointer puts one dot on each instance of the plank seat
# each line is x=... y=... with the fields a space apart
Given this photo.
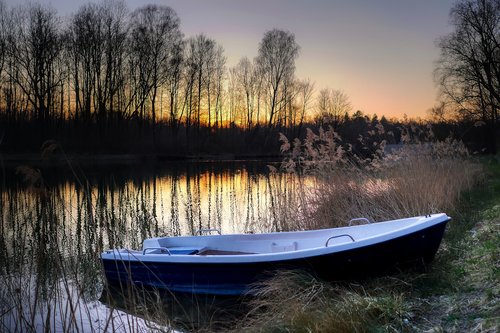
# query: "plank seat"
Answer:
x=213 y=252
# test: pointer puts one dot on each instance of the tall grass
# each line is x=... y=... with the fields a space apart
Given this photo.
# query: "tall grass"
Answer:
x=414 y=178
x=298 y=302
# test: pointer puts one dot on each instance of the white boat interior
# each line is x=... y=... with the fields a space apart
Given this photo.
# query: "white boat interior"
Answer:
x=277 y=245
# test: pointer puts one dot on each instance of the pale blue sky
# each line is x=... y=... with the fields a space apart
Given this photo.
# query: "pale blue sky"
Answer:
x=381 y=53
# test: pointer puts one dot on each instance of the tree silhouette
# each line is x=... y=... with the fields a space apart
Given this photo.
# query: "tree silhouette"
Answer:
x=33 y=45
x=333 y=104
x=3 y=38
x=469 y=68
x=245 y=79
x=155 y=39
x=276 y=58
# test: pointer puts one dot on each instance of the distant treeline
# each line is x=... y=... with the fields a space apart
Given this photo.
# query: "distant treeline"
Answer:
x=160 y=139
x=106 y=80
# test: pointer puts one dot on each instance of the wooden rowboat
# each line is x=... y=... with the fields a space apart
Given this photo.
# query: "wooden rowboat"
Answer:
x=230 y=264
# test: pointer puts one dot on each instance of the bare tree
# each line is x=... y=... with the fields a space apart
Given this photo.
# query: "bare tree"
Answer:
x=204 y=68
x=219 y=75
x=332 y=106
x=155 y=40
x=259 y=88
x=306 y=91
x=97 y=44
x=438 y=112
x=276 y=58
x=189 y=78
x=469 y=68
x=235 y=94
x=245 y=79
x=3 y=50
x=203 y=50
x=3 y=38
x=208 y=77
x=84 y=47
x=288 y=107
x=34 y=44
x=111 y=79
x=174 y=80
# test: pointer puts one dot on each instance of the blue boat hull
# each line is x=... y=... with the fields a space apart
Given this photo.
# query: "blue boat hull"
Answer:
x=237 y=278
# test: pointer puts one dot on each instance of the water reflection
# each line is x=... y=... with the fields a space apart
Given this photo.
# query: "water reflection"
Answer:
x=181 y=201
x=53 y=226
x=127 y=206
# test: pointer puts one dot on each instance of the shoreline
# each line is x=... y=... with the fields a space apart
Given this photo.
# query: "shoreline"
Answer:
x=110 y=159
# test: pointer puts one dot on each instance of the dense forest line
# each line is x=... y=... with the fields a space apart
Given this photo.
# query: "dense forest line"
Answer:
x=107 y=80
x=143 y=139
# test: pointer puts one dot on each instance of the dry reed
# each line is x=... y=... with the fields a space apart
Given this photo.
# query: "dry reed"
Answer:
x=415 y=178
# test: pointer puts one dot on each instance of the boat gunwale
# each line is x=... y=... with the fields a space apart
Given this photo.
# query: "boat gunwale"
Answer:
x=420 y=223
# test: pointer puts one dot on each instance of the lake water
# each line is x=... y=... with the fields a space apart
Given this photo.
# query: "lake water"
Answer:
x=55 y=221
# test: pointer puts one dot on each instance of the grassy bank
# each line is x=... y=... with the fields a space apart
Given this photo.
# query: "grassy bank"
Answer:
x=463 y=288
x=459 y=292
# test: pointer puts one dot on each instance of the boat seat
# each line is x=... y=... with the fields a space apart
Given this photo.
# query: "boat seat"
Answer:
x=183 y=250
x=283 y=246
x=214 y=252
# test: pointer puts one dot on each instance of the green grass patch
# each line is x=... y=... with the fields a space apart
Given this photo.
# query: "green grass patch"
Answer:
x=462 y=288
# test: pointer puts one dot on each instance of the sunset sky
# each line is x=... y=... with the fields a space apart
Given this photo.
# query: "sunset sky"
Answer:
x=380 y=53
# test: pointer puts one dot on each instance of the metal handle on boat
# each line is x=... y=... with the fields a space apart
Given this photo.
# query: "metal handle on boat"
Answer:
x=360 y=219
x=338 y=236
x=156 y=248
x=201 y=231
